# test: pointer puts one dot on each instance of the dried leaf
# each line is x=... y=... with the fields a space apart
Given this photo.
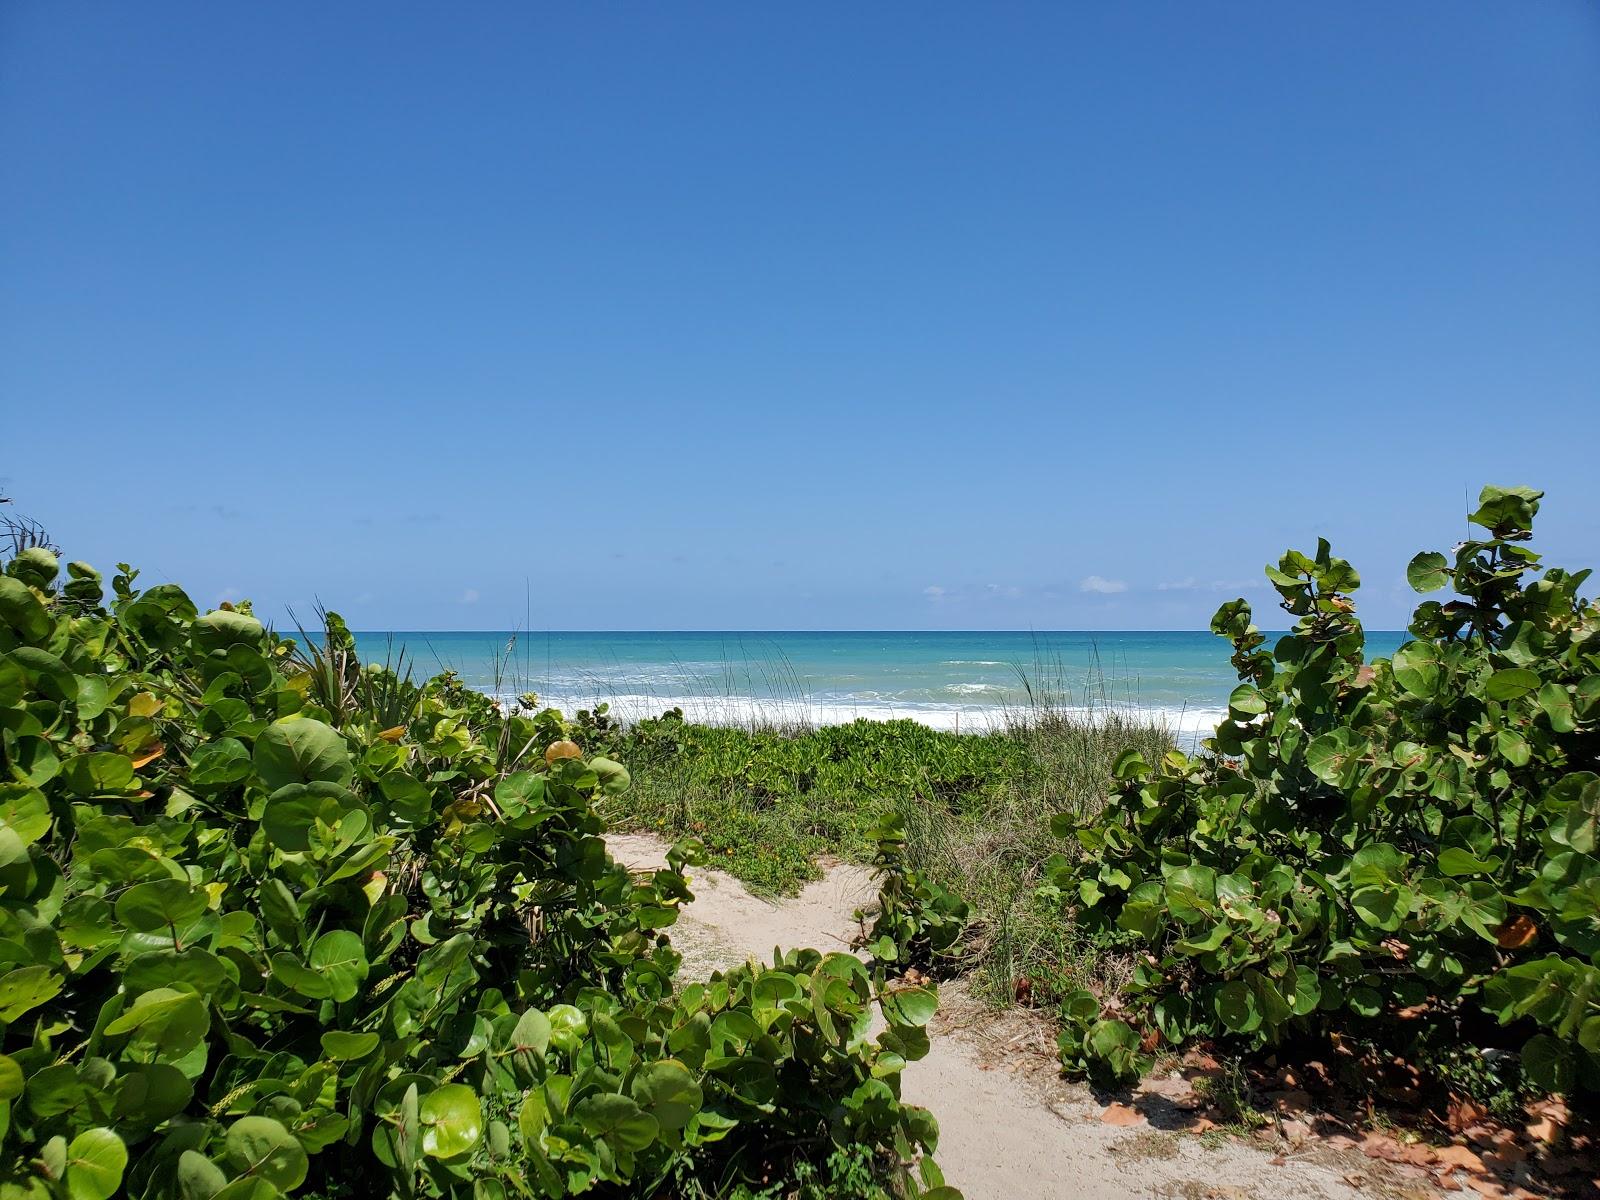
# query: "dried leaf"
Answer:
x=1516 y=933
x=1121 y=1114
x=1460 y=1156
x=149 y=756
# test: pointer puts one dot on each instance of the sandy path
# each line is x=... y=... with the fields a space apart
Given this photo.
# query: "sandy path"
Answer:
x=1010 y=1127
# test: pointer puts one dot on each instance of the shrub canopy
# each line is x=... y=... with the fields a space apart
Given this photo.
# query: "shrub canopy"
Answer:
x=275 y=922
x=1402 y=848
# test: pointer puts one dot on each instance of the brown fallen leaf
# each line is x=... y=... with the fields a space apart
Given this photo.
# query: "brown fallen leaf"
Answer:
x=1462 y=1112
x=1550 y=1117
x=1460 y=1156
x=1121 y=1114
x=149 y=756
x=1491 y=1136
x=1294 y=1100
x=1505 y=1159
x=1377 y=1146
x=1420 y=1155
x=1296 y=1131
x=1516 y=933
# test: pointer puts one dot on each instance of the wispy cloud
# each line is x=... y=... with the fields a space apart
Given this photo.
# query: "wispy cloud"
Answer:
x=933 y=592
x=1191 y=584
x=470 y=596
x=1102 y=586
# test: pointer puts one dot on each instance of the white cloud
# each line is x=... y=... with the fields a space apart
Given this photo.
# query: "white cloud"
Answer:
x=1102 y=586
x=1191 y=584
x=933 y=591
x=1009 y=592
x=470 y=596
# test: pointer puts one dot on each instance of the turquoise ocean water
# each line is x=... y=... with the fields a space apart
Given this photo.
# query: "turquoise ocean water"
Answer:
x=964 y=681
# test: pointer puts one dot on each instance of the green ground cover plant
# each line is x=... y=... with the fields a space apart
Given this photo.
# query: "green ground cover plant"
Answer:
x=1400 y=851
x=768 y=802
x=958 y=821
x=277 y=922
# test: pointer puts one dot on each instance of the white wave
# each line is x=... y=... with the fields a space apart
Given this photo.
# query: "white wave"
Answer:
x=968 y=689
x=1186 y=725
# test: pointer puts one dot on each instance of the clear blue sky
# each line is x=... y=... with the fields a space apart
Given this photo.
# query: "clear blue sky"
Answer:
x=813 y=316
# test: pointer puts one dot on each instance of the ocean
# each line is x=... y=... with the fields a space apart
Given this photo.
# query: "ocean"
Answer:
x=959 y=681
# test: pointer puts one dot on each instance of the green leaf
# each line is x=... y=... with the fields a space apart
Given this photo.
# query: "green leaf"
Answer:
x=299 y=815
x=262 y=1148
x=667 y=1091
x=1303 y=990
x=347 y=1047
x=1428 y=571
x=198 y=1177
x=23 y=611
x=1510 y=684
x=95 y=1162
x=340 y=958
x=452 y=1121
x=1238 y=1006
x=531 y=1032
x=99 y=773
x=161 y=905
x=618 y=1120
x=1377 y=865
x=169 y=1021
x=1455 y=861
x=10 y=1078
x=911 y=1006
x=1246 y=701
x=1558 y=705
x=26 y=988
x=1383 y=908
x=1365 y=1001
x=216 y=765
x=295 y=975
x=302 y=750
x=1416 y=668
x=1548 y=1064
x=1192 y=894
x=614 y=778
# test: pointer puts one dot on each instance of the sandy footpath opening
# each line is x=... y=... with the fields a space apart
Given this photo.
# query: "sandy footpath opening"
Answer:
x=1010 y=1127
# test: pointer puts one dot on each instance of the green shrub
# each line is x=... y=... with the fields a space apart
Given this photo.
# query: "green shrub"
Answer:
x=1400 y=848
x=272 y=922
x=918 y=922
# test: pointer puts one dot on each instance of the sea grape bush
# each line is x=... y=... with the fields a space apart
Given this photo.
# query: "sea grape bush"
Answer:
x=918 y=922
x=1404 y=848
x=276 y=922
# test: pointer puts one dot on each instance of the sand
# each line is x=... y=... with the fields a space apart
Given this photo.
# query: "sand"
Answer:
x=1011 y=1128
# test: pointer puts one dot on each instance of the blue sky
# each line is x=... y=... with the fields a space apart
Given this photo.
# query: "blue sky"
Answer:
x=826 y=316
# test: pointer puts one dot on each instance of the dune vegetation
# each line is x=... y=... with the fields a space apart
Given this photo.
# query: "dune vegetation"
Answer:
x=276 y=921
